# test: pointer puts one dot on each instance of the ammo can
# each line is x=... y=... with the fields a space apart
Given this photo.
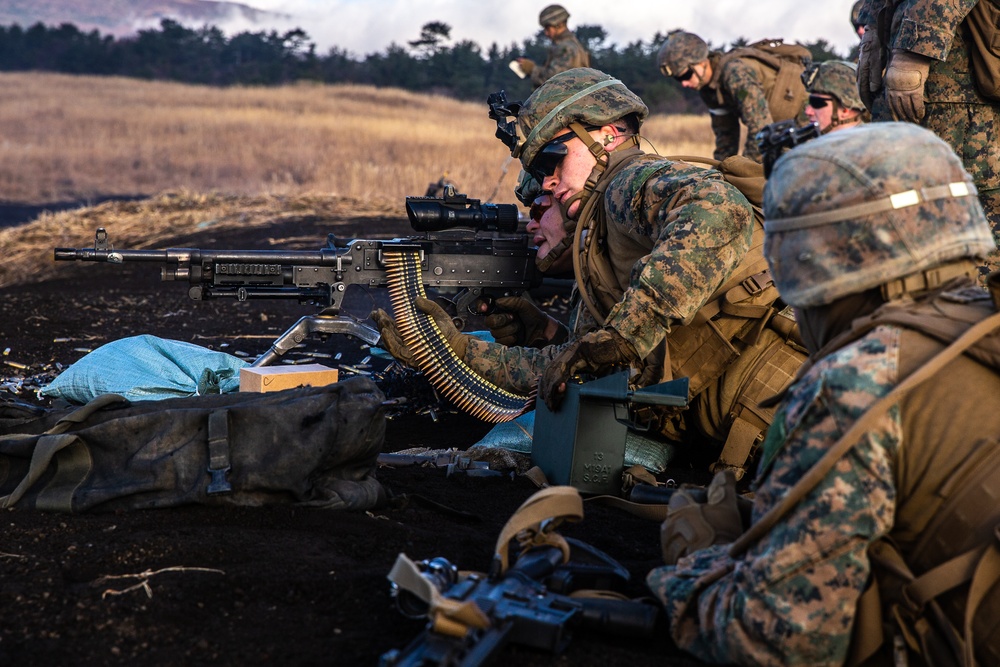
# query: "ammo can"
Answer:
x=583 y=443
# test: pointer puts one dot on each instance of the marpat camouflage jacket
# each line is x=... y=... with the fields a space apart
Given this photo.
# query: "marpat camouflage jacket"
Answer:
x=681 y=230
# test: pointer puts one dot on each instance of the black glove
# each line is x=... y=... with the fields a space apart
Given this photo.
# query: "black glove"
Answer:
x=393 y=341
x=593 y=353
x=695 y=521
x=871 y=62
x=904 y=85
x=519 y=322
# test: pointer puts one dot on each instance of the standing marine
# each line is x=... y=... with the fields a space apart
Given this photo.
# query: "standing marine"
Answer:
x=874 y=528
x=755 y=85
x=935 y=63
x=565 y=53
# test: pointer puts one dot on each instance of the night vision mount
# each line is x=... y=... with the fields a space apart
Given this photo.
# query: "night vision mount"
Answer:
x=500 y=111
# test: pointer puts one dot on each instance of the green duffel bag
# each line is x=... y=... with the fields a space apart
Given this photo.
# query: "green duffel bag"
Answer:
x=315 y=446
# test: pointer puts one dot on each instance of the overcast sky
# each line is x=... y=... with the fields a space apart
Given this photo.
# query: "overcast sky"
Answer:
x=368 y=26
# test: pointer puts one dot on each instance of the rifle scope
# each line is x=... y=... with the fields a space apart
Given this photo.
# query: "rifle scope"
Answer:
x=429 y=214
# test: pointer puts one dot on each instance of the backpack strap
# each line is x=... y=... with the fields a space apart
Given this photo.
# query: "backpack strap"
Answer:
x=818 y=472
x=984 y=578
x=218 y=452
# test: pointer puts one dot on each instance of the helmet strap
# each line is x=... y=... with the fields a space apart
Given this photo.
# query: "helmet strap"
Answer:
x=601 y=156
x=835 y=120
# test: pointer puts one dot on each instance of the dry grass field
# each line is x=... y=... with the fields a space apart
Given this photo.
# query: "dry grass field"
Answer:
x=82 y=137
x=200 y=156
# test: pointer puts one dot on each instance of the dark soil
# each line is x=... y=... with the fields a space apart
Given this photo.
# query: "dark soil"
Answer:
x=279 y=585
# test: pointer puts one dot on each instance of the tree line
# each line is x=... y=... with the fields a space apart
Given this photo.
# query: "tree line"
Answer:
x=431 y=63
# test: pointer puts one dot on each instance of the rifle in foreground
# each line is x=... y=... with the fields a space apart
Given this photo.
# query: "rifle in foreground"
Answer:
x=470 y=248
x=518 y=607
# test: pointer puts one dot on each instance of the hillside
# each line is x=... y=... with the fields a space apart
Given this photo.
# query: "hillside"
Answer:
x=123 y=17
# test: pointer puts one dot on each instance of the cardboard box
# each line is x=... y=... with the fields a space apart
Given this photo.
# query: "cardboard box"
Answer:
x=276 y=378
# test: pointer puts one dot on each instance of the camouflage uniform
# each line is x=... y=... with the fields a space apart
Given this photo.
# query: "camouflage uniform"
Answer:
x=687 y=231
x=674 y=235
x=955 y=110
x=738 y=90
x=791 y=597
x=565 y=53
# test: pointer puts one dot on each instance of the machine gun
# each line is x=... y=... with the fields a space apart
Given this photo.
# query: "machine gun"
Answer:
x=518 y=607
x=471 y=247
x=776 y=138
x=463 y=246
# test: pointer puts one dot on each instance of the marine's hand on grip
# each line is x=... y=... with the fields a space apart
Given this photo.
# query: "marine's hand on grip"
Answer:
x=594 y=353
x=516 y=321
x=904 y=85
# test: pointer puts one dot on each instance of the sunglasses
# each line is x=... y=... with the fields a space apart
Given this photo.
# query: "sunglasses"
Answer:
x=688 y=73
x=551 y=155
x=818 y=102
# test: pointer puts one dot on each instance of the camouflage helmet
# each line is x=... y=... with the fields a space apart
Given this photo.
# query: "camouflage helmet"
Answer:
x=680 y=51
x=553 y=15
x=835 y=77
x=582 y=95
x=853 y=210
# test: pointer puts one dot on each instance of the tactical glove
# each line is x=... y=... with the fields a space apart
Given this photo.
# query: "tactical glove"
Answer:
x=518 y=322
x=694 y=523
x=527 y=66
x=904 y=85
x=593 y=353
x=871 y=62
x=393 y=341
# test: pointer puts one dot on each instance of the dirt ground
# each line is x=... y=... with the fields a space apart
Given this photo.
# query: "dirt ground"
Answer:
x=279 y=585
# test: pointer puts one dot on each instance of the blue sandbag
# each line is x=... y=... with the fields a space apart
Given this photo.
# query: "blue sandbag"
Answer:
x=147 y=368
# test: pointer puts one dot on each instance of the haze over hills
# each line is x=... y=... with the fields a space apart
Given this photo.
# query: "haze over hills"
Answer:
x=124 y=17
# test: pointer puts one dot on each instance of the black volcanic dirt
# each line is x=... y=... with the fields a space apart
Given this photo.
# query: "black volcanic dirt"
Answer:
x=279 y=585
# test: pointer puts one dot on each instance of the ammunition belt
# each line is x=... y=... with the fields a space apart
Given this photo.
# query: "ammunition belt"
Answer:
x=433 y=355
